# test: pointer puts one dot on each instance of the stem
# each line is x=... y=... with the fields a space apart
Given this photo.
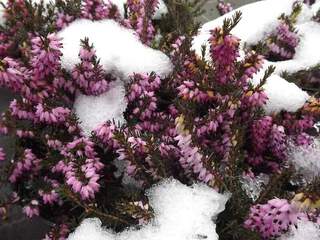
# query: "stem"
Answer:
x=89 y=209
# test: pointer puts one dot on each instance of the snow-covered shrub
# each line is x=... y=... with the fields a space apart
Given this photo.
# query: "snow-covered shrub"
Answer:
x=110 y=102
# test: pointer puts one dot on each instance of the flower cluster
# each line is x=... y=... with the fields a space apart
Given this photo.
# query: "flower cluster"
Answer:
x=28 y=163
x=2 y=155
x=140 y=18
x=45 y=56
x=284 y=43
x=281 y=44
x=273 y=218
x=224 y=7
x=31 y=209
x=81 y=167
x=94 y=9
x=59 y=231
x=89 y=76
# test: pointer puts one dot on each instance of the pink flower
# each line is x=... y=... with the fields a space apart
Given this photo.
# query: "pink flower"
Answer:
x=32 y=209
x=140 y=18
x=224 y=51
x=82 y=168
x=63 y=20
x=259 y=132
x=277 y=143
x=46 y=54
x=89 y=76
x=273 y=218
x=28 y=162
x=2 y=155
x=224 y=7
x=191 y=160
x=58 y=232
x=12 y=74
x=58 y=115
x=94 y=9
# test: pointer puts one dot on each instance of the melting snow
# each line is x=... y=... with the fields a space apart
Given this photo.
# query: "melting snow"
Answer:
x=181 y=213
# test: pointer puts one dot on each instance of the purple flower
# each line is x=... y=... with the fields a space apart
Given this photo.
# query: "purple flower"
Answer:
x=32 y=209
x=89 y=76
x=273 y=218
x=28 y=162
x=94 y=9
x=277 y=142
x=2 y=155
x=260 y=132
x=81 y=168
x=63 y=20
x=224 y=50
x=56 y=115
x=46 y=53
x=224 y=7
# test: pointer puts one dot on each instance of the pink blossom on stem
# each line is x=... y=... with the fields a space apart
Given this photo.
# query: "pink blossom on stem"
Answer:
x=105 y=133
x=58 y=232
x=56 y=115
x=224 y=51
x=46 y=52
x=12 y=74
x=21 y=110
x=277 y=142
x=28 y=162
x=63 y=20
x=32 y=209
x=224 y=7
x=89 y=76
x=273 y=218
x=259 y=133
x=2 y=154
x=94 y=9
x=82 y=168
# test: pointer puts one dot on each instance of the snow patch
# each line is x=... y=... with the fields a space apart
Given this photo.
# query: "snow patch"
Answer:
x=118 y=48
x=181 y=213
x=315 y=7
x=2 y=19
x=306 y=159
x=93 y=111
x=305 y=230
x=283 y=95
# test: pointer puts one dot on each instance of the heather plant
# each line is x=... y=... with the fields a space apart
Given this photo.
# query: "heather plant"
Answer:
x=203 y=122
x=224 y=7
x=281 y=44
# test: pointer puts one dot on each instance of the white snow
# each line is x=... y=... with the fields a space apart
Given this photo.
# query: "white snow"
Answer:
x=259 y=19
x=253 y=186
x=181 y=213
x=307 y=51
x=121 y=53
x=315 y=7
x=119 y=50
x=283 y=95
x=306 y=160
x=93 y=111
x=2 y=20
x=306 y=231
x=161 y=10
